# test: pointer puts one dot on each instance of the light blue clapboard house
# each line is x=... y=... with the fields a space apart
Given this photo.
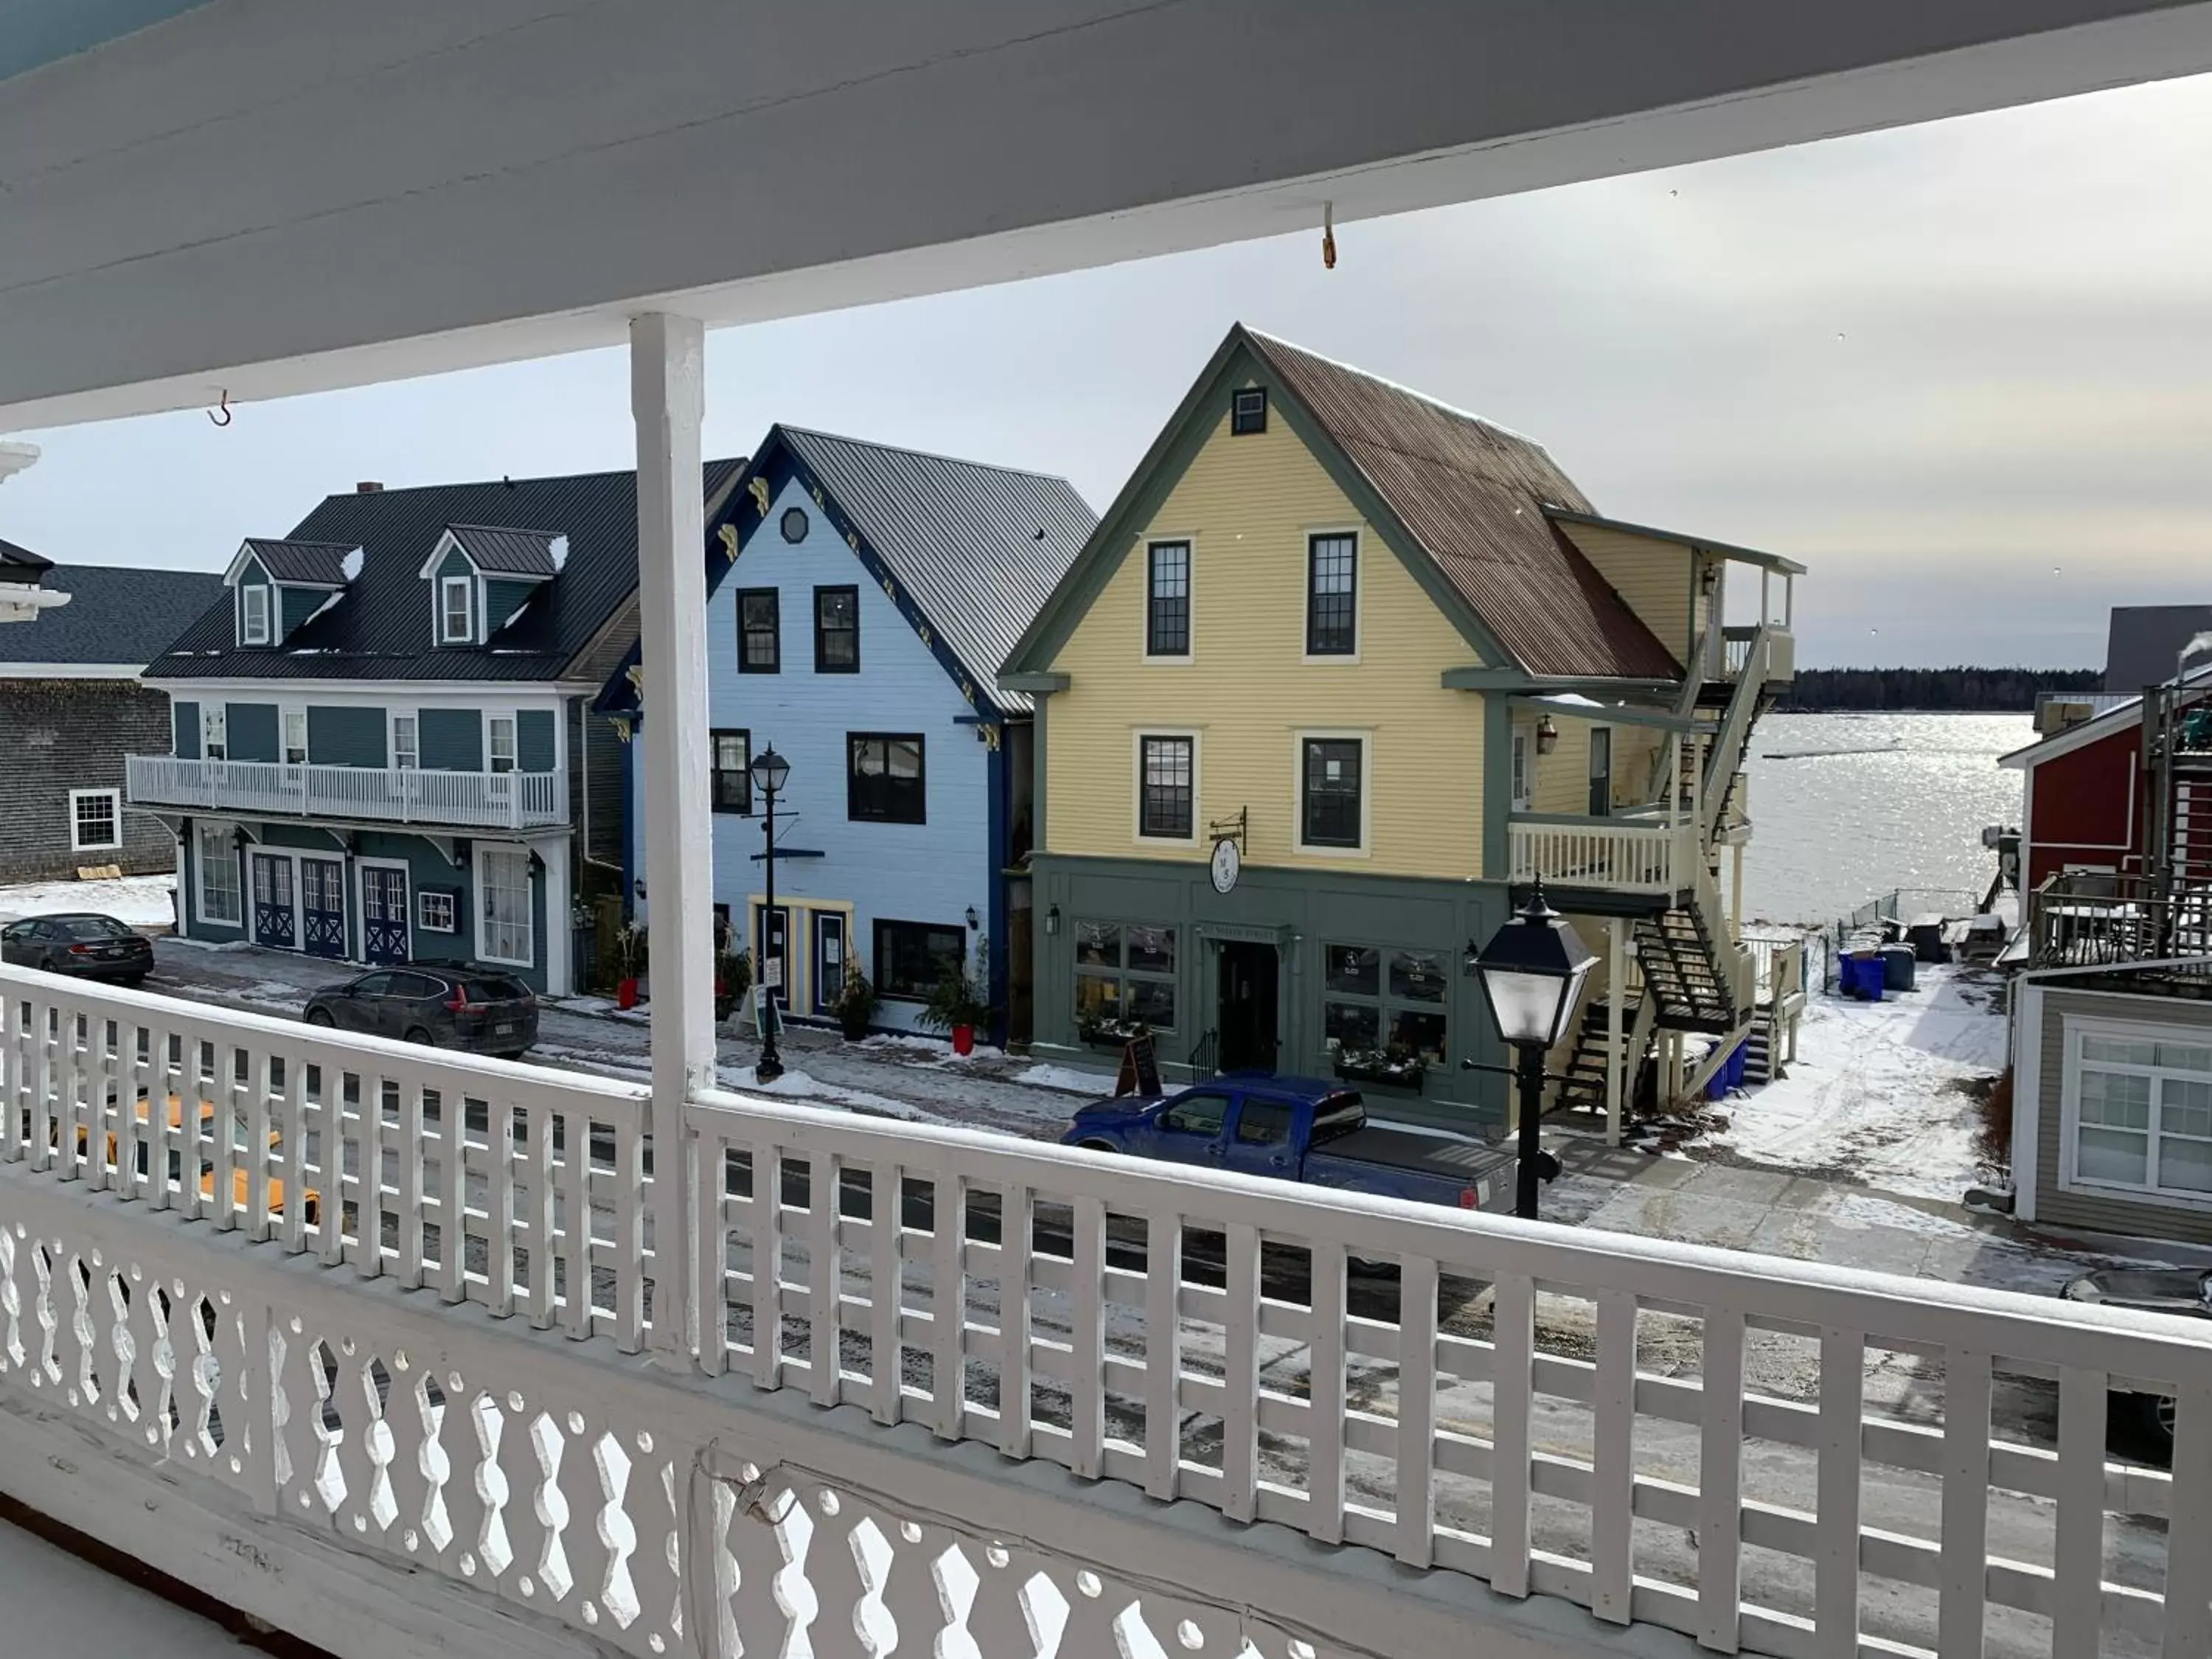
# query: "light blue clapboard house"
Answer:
x=382 y=748
x=861 y=600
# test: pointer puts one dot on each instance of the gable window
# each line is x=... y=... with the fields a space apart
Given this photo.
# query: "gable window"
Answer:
x=1332 y=595
x=837 y=630
x=1167 y=785
x=883 y=781
x=1248 y=411
x=730 y=753
x=911 y=957
x=215 y=731
x=254 y=615
x=1331 y=800
x=295 y=736
x=406 y=744
x=499 y=746
x=216 y=866
x=95 y=819
x=760 y=631
x=1167 y=599
x=2139 y=1110
x=456 y=611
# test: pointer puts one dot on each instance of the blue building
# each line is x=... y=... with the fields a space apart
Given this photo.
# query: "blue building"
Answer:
x=860 y=598
x=381 y=747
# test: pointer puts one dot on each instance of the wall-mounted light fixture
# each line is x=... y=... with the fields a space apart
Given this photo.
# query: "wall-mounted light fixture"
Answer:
x=1052 y=922
x=1548 y=736
x=973 y=922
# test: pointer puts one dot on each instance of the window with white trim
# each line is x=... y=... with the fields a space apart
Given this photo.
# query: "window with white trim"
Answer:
x=434 y=910
x=215 y=731
x=295 y=736
x=216 y=866
x=503 y=891
x=1521 y=778
x=456 y=611
x=2139 y=1110
x=95 y=819
x=254 y=615
x=406 y=744
x=500 y=742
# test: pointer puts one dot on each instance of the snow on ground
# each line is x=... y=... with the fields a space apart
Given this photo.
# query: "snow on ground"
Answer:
x=135 y=901
x=797 y=1086
x=1066 y=1078
x=1876 y=1091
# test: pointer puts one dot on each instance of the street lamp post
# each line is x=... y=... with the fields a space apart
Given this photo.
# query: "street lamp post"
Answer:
x=768 y=771
x=1531 y=971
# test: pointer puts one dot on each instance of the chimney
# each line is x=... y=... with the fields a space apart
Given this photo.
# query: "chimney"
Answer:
x=368 y=487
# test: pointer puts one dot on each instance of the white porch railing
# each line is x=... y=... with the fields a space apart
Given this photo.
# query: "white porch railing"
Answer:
x=1915 y=1466
x=482 y=800
x=1622 y=854
x=1781 y=663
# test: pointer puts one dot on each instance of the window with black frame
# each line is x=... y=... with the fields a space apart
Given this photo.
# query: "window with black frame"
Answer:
x=883 y=781
x=837 y=630
x=1383 y=1012
x=1332 y=595
x=1167 y=599
x=732 y=752
x=760 y=631
x=1125 y=980
x=1331 y=777
x=911 y=957
x=1167 y=786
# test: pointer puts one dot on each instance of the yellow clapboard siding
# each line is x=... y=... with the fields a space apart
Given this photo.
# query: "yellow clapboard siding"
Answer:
x=1653 y=576
x=1561 y=782
x=1246 y=504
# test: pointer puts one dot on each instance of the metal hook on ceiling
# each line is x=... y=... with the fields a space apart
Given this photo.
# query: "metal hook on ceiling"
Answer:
x=1329 y=236
x=225 y=417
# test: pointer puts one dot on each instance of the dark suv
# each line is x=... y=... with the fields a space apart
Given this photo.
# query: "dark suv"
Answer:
x=88 y=946
x=483 y=1010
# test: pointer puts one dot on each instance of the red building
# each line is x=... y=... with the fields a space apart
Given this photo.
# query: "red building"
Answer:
x=2085 y=796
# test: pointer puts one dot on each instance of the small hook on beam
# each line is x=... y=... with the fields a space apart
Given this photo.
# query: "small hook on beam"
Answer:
x=225 y=417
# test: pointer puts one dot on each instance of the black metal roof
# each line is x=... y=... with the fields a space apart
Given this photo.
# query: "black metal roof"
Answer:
x=379 y=628
x=502 y=552
x=21 y=564
x=309 y=563
x=980 y=548
x=115 y=615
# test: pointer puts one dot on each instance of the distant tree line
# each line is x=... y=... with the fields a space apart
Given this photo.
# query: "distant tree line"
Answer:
x=1935 y=691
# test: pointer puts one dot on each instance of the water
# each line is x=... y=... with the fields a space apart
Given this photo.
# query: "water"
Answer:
x=1830 y=833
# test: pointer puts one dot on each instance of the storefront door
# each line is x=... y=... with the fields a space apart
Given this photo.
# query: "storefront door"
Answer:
x=274 y=923
x=1248 y=1010
x=322 y=892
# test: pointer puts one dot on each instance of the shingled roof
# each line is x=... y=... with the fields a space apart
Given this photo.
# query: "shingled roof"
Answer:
x=116 y=617
x=19 y=564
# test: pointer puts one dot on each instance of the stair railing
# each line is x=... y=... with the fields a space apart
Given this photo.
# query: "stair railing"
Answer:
x=1666 y=771
x=1726 y=754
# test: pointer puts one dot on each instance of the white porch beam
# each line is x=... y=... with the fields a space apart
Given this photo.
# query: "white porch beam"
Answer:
x=1616 y=982
x=668 y=400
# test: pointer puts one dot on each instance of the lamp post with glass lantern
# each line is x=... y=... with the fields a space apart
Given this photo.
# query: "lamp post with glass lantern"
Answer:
x=769 y=770
x=1531 y=971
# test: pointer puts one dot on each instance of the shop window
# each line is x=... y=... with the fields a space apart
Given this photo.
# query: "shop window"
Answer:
x=1125 y=980
x=1383 y=1012
x=911 y=957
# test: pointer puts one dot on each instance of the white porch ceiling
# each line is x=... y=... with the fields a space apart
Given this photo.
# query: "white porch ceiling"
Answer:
x=274 y=197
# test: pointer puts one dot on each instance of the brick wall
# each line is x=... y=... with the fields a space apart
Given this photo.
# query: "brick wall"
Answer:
x=60 y=735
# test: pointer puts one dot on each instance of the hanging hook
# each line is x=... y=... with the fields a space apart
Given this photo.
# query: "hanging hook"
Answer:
x=1329 y=236
x=225 y=417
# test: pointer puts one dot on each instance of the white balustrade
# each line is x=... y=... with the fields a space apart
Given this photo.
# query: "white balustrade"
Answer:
x=1621 y=854
x=1915 y=1466
x=508 y=800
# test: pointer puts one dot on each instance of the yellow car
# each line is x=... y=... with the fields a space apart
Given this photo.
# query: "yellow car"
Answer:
x=241 y=1182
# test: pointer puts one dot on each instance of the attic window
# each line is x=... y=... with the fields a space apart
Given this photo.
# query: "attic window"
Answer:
x=456 y=611
x=1248 y=411
x=254 y=615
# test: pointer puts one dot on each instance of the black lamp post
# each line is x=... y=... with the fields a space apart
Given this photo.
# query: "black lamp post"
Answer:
x=768 y=771
x=1531 y=971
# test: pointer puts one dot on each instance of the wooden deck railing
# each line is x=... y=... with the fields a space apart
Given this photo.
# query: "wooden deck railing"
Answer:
x=481 y=801
x=2099 y=919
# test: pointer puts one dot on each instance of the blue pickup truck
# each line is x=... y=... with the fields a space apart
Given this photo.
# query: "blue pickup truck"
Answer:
x=1297 y=1128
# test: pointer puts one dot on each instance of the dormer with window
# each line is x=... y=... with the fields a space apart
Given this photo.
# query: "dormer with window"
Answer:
x=278 y=586
x=482 y=578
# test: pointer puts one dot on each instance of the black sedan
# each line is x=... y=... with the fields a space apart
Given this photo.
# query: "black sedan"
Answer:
x=86 y=945
x=2145 y=1421
x=480 y=1010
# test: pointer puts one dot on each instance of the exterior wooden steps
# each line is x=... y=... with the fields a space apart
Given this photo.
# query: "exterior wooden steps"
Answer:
x=1582 y=1086
x=1680 y=966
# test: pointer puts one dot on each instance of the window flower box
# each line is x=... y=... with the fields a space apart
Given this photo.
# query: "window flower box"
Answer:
x=1381 y=1067
x=1111 y=1033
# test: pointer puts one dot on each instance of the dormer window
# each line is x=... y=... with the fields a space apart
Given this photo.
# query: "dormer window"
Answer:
x=283 y=586
x=456 y=611
x=254 y=615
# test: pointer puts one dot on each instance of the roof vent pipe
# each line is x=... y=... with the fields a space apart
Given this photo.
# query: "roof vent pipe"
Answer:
x=368 y=487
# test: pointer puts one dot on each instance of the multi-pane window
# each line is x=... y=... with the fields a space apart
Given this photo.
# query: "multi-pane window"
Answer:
x=1332 y=595
x=732 y=758
x=1522 y=781
x=406 y=742
x=1329 y=783
x=837 y=630
x=215 y=731
x=456 y=611
x=911 y=957
x=1384 y=1006
x=295 y=736
x=760 y=631
x=500 y=742
x=1125 y=978
x=221 y=899
x=95 y=819
x=2143 y=1114
x=434 y=910
x=1167 y=599
x=1248 y=411
x=883 y=781
x=1167 y=786
x=507 y=933
x=253 y=604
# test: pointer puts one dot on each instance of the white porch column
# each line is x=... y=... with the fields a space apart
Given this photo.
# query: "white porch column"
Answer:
x=1616 y=992
x=667 y=397
x=1735 y=893
x=560 y=930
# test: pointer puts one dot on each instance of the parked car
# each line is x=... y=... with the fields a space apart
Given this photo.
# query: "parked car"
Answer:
x=2143 y=1423
x=1302 y=1129
x=485 y=1011
x=82 y=943
x=240 y=1180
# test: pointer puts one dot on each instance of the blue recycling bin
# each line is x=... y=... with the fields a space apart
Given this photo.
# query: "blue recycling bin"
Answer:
x=1730 y=1076
x=1860 y=976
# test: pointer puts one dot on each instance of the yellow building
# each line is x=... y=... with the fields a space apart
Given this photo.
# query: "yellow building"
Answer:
x=1392 y=657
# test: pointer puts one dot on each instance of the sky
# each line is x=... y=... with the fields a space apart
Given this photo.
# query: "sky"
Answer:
x=1963 y=371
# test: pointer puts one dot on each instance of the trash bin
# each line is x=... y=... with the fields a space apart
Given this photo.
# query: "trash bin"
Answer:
x=1859 y=976
x=1897 y=961
x=1729 y=1075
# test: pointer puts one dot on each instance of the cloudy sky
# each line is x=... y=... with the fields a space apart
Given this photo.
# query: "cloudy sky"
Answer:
x=1963 y=371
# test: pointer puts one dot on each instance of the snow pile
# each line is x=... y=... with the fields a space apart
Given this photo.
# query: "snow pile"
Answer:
x=1875 y=1093
x=1064 y=1078
x=797 y=1086
x=135 y=901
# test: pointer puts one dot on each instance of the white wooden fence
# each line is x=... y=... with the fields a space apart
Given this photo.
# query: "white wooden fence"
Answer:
x=1768 y=1456
x=488 y=800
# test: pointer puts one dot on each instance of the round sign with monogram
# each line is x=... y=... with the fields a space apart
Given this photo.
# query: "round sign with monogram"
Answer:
x=1228 y=865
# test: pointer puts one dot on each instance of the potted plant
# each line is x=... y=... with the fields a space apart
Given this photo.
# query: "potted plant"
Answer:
x=733 y=977
x=630 y=956
x=960 y=1001
x=855 y=1003
x=1395 y=1066
x=1103 y=1033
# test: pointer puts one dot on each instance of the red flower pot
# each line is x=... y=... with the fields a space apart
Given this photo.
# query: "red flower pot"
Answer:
x=963 y=1039
x=626 y=993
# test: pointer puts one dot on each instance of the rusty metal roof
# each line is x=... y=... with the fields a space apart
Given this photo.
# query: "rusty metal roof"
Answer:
x=1473 y=495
